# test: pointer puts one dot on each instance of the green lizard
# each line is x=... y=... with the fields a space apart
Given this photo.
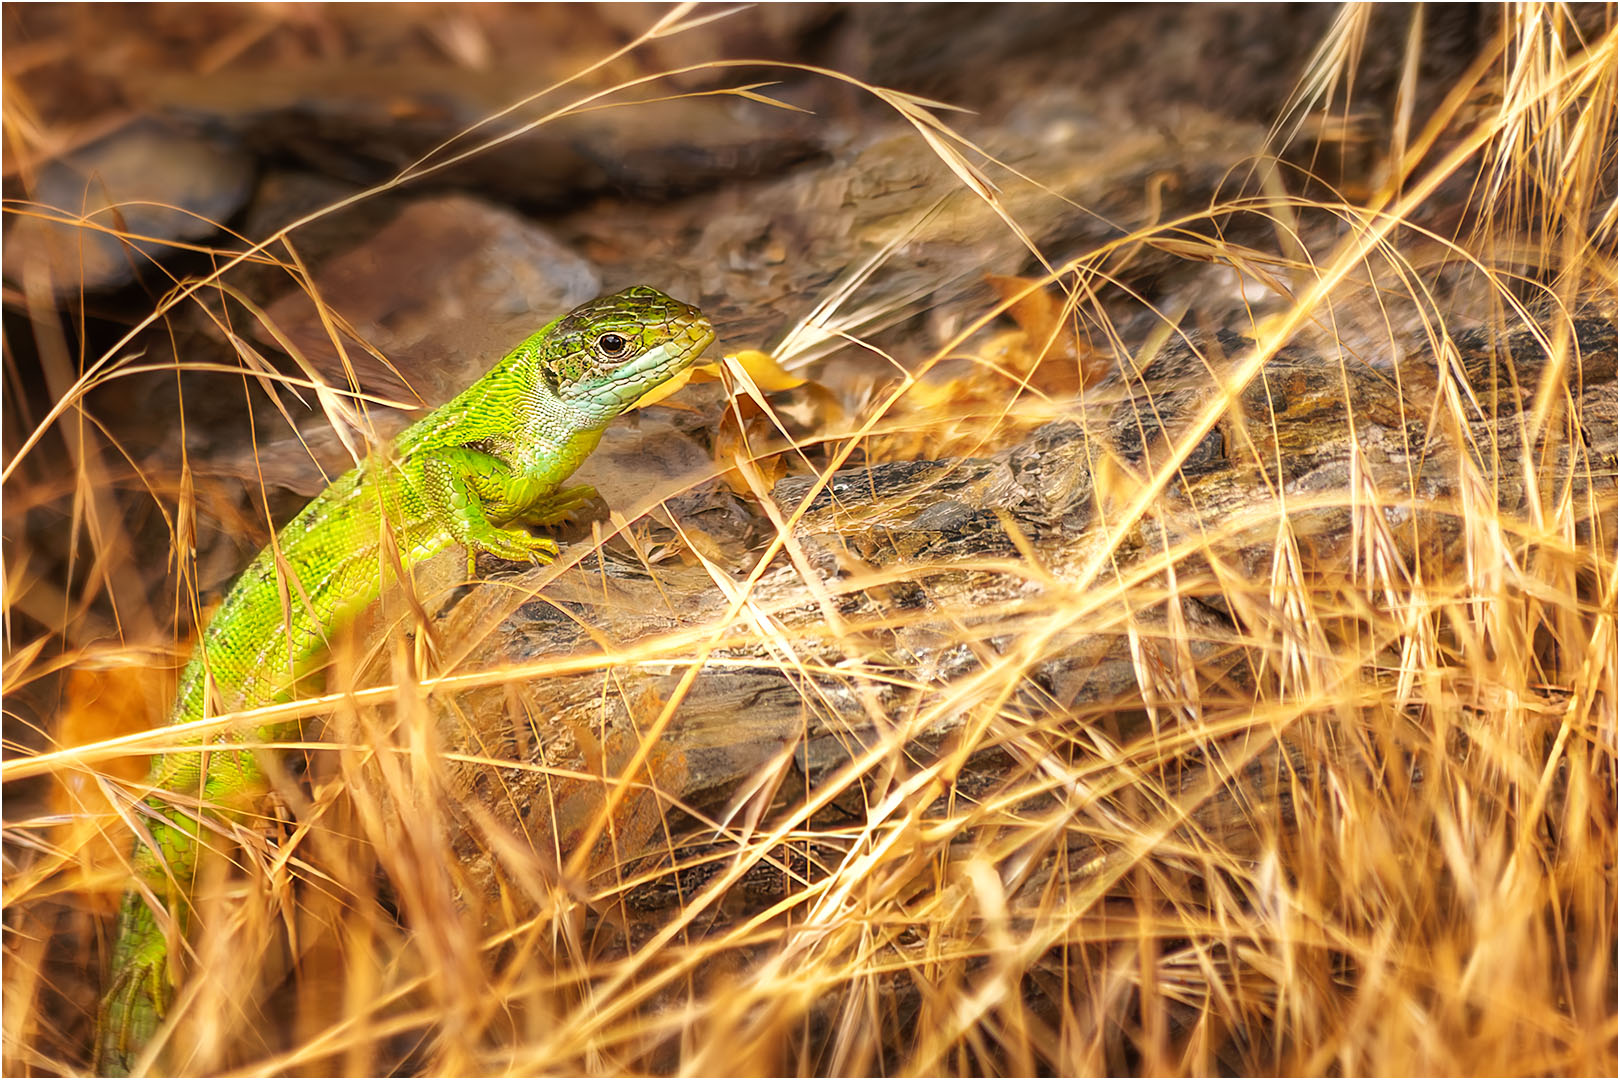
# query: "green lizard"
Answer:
x=472 y=472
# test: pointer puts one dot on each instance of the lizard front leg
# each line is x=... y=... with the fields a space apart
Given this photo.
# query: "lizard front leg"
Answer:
x=461 y=485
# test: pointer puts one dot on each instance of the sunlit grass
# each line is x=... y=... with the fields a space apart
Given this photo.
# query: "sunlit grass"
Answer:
x=1385 y=846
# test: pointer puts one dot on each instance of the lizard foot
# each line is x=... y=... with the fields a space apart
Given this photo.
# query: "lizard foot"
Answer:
x=138 y=995
x=511 y=543
x=560 y=506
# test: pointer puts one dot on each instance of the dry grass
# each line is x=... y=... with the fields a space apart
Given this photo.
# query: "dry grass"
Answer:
x=1425 y=884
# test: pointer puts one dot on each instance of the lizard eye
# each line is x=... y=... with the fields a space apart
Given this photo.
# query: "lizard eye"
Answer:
x=613 y=346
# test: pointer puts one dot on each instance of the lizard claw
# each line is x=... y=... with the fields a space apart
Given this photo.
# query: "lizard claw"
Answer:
x=561 y=506
x=513 y=545
x=543 y=551
x=138 y=997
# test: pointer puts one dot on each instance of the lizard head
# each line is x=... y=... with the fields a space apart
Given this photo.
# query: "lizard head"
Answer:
x=604 y=355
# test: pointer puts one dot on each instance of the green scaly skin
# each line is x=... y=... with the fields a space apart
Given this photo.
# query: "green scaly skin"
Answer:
x=468 y=473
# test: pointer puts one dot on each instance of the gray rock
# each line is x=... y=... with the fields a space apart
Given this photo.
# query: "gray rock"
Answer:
x=147 y=180
x=444 y=290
